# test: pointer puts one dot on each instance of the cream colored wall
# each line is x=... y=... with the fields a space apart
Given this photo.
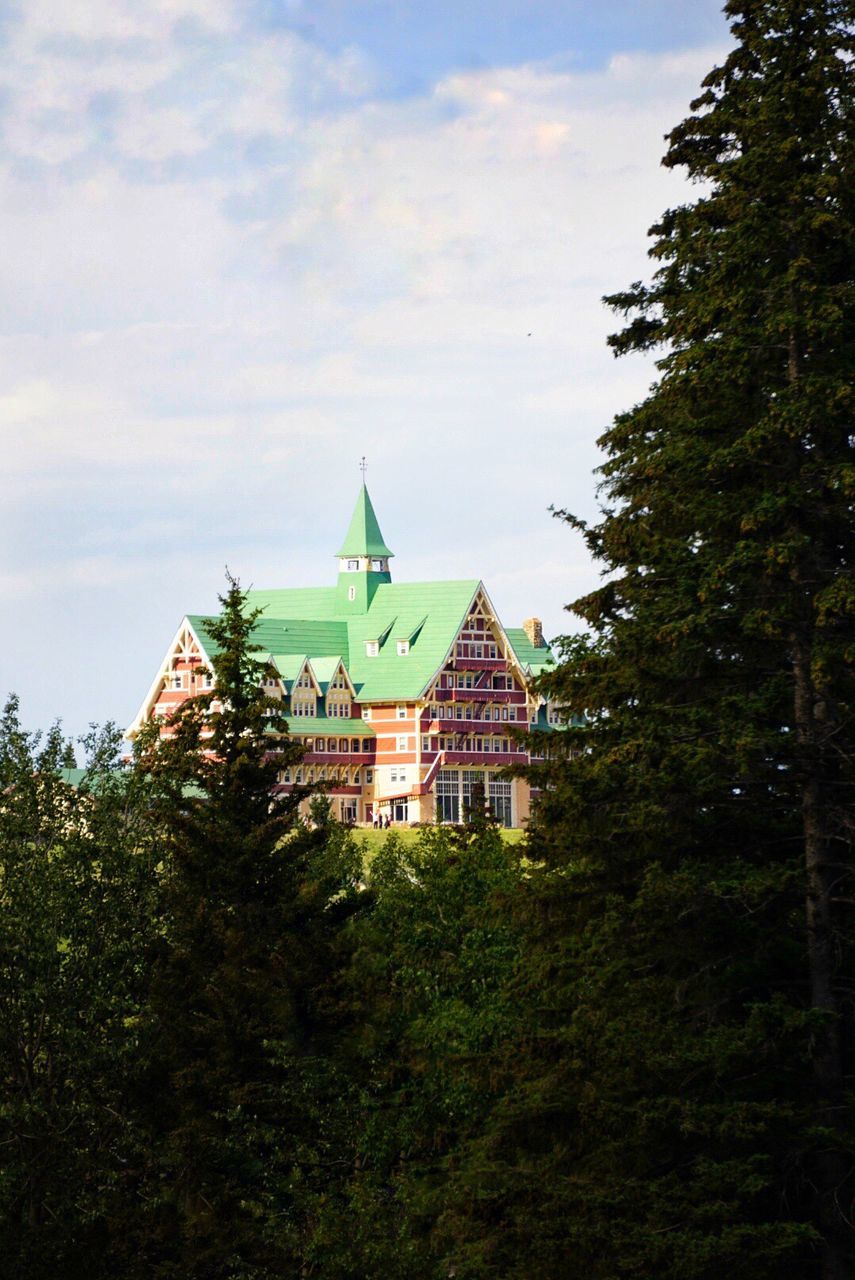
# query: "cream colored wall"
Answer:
x=521 y=793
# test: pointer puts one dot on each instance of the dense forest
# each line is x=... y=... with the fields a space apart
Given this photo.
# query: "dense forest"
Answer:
x=234 y=1046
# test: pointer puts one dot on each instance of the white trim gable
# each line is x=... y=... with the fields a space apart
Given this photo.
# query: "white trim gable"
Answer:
x=185 y=644
x=341 y=668
x=481 y=602
x=308 y=669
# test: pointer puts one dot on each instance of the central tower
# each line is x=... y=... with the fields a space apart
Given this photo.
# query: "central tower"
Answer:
x=363 y=561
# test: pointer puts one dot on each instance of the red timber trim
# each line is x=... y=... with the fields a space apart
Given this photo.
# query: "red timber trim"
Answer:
x=422 y=788
x=478 y=759
x=478 y=664
x=477 y=695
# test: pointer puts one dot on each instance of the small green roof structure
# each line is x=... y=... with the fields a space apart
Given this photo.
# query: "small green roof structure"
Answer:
x=363 y=537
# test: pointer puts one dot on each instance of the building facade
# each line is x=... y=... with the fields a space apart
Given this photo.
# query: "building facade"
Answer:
x=405 y=696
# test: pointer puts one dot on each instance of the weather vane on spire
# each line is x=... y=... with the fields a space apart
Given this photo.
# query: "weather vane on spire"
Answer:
x=363 y=467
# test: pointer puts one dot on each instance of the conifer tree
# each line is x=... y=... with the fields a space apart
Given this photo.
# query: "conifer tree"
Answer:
x=240 y=1097
x=684 y=1109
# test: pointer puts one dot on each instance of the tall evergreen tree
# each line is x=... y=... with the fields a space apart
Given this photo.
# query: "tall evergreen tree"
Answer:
x=683 y=1109
x=241 y=1095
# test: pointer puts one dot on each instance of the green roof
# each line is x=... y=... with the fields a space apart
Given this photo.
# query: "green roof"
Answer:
x=304 y=622
x=529 y=655
x=364 y=538
x=432 y=612
x=330 y=726
x=325 y=668
x=73 y=777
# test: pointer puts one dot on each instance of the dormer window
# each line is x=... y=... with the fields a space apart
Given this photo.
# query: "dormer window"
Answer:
x=372 y=648
x=352 y=566
x=403 y=648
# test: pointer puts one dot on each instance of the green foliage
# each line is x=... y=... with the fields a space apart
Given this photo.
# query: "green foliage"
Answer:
x=680 y=1104
x=77 y=873
x=429 y=986
x=241 y=1095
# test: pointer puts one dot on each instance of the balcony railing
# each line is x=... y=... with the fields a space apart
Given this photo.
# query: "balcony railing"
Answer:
x=497 y=758
x=452 y=725
x=479 y=664
x=353 y=758
x=477 y=695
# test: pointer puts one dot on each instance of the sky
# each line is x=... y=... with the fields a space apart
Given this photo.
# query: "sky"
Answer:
x=247 y=242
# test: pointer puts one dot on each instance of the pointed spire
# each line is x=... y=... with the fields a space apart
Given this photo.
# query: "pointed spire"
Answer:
x=363 y=537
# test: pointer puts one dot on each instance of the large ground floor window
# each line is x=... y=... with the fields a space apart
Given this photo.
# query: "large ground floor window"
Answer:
x=454 y=789
x=500 y=799
x=447 y=792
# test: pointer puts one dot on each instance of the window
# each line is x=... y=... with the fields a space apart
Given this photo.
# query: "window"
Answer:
x=355 y=745
x=369 y=775
x=402 y=743
x=176 y=680
x=352 y=564
x=401 y=713
x=372 y=648
x=343 y=744
x=499 y=796
x=208 y=682
x=403 y=648
x=320 y=744
x=351 y=593
x=366 y=713
x=377 y=566
x=366 y=744
x=426 y=744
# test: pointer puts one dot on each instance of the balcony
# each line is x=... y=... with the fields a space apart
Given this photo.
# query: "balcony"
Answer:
x=478 y=759
x=478 y=695
x=353 y=758
x=479 y=664
x=472 y=726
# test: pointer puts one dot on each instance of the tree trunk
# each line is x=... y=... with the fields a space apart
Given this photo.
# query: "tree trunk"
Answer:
x=831 y=1167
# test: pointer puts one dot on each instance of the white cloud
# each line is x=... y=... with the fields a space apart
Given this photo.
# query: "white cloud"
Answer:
x=228 y=272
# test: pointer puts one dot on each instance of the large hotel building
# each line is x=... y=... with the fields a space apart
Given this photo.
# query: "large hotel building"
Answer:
x=405 y=695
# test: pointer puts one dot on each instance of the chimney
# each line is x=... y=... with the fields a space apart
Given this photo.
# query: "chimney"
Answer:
x=533 y=628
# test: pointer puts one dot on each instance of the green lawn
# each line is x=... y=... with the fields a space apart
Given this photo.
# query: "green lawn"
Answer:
x=372 y=840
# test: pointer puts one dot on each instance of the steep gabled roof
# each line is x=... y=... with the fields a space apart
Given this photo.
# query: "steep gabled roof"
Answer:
x=431 y=612
x=363 y=537
x=325 y=669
